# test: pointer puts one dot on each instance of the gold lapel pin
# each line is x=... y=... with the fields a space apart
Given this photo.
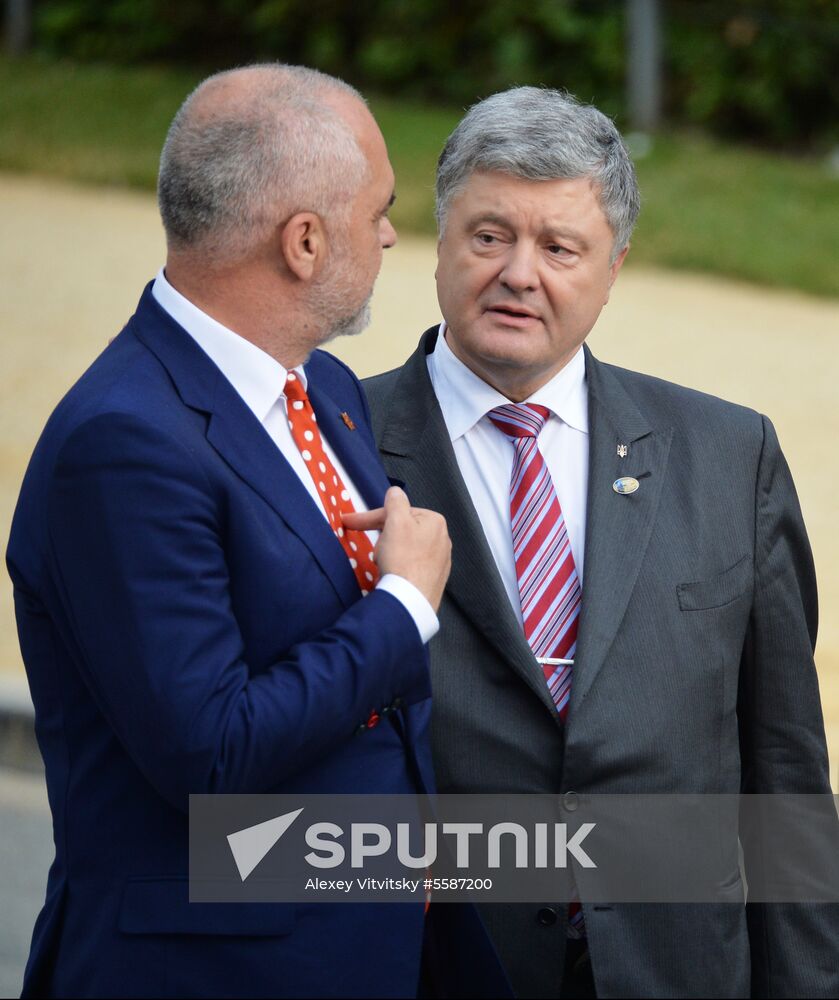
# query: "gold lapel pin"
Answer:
x=625 y=485
x=346 y=418
x=623 y=451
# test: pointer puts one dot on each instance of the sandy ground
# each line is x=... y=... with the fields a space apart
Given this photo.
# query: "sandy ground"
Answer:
x=73 y=261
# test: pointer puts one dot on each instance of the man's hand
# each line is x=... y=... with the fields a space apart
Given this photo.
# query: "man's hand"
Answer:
x=414 y=543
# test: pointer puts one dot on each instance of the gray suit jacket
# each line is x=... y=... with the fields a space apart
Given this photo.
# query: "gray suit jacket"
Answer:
x=694 y=669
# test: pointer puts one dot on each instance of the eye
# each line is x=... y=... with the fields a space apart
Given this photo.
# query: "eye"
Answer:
x=486 y=238
x=555 y=250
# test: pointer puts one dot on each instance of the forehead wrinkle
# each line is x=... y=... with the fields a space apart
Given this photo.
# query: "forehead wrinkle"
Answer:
x=493 y=218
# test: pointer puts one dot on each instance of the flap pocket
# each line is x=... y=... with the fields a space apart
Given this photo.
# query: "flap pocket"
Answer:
x=162 y=906
x=718 y=591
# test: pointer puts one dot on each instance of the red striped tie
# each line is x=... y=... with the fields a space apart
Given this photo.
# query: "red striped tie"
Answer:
x=549 y=588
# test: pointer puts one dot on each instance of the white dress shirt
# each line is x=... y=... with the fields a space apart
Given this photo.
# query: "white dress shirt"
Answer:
x=485 y=455
x=260 y=380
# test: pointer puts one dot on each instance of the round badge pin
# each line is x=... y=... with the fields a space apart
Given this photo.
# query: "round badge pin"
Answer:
x=625 y=485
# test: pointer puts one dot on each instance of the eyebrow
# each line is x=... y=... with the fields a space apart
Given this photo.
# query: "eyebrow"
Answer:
x=561 y=232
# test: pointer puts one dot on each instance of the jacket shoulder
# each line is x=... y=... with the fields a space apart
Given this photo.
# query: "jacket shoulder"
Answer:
x=379 y=388
x=686 y=409
x=322 y=364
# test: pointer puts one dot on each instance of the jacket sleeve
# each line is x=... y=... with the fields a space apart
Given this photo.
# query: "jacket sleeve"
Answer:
x=136 y=548
x=794 y=946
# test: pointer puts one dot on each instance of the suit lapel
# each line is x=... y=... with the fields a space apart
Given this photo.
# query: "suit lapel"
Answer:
x=352 y=447
x=618 y=527
x=241 y=440
x=417 y=437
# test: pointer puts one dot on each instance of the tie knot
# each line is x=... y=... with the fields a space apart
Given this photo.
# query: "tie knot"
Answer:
x=520 y=420
x=294 y=388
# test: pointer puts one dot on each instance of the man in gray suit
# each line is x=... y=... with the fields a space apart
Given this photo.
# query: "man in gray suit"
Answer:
x=632 y=605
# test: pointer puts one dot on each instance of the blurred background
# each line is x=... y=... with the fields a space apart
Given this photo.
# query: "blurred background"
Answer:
x=731 y=110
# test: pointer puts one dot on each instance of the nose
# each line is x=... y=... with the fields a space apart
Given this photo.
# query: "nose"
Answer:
x=520 y=272
x=387 y=234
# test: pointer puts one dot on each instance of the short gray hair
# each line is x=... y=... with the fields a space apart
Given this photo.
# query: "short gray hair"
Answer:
x=239 y=160
x=540 y=134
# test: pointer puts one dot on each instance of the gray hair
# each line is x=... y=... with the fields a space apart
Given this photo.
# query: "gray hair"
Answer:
x=541 y=134
x=250 y=148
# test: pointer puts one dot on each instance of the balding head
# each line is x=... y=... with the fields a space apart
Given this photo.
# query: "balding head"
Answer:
x=251 y=147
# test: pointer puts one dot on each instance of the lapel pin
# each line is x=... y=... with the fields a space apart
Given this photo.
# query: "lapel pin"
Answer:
x=623 y=451
x=625 y=485
x=346 y=418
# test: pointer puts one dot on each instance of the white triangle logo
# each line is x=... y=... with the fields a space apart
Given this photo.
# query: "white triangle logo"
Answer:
x=249 y=846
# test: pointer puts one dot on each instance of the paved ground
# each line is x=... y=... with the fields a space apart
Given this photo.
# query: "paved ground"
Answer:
x=26 y=851
x=72 y=262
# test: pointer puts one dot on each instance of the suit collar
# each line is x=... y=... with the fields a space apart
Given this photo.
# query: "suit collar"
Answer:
x=244 y=444
x=465 y=398
x=417 y=403
x=607 y=394
x=256 y=376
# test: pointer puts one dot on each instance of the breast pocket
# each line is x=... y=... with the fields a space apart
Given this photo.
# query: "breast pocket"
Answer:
x=162 y=906
x=703 y=595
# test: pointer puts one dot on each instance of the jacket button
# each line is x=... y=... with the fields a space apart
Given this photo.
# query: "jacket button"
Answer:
x=361 y=729
x=373 y=720
x=546 y=916
x=570 y=801
x=398 y=703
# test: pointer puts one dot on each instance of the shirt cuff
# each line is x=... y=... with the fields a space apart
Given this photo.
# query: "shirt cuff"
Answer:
x=414 y=602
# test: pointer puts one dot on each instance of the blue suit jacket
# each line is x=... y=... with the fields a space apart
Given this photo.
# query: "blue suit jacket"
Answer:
x=190 y=624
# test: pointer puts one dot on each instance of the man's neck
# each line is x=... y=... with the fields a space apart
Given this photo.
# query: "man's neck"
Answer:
x=516 y=384
x=238 y=300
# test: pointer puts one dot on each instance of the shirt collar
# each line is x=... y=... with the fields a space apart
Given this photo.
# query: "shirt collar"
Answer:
x=465 y=398
x=256 y=376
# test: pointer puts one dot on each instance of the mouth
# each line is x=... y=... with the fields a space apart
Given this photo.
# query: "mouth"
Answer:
x=512 y=315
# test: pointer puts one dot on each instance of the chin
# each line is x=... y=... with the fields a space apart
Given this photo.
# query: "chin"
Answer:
x=513 y=347
x=350 y=326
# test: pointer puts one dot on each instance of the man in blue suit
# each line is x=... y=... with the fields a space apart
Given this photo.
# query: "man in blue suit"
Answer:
x=191 y=614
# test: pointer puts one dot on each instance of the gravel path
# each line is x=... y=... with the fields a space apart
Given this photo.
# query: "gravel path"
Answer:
x=73 y=261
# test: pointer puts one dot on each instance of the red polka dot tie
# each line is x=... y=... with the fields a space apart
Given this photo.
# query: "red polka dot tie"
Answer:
x=332 y=492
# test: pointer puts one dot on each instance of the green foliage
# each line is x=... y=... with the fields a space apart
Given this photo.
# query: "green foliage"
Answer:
x=762 y=70
x=96 y=124
x=706 y=206
x=758 y=69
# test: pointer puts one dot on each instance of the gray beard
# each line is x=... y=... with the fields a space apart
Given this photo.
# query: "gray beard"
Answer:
x=350 y=326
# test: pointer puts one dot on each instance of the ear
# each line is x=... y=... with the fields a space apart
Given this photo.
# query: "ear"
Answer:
x=613 y=271
x=303 y=241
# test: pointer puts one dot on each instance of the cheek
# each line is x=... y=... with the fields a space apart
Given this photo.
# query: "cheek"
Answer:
x=474 y=278
x=462 y=280
x=577 y=298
